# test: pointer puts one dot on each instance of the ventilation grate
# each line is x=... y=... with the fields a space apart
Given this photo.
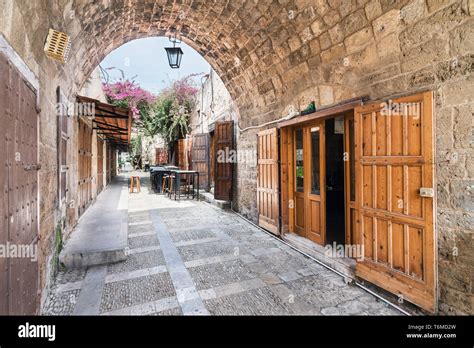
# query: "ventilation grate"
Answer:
x=57 y=46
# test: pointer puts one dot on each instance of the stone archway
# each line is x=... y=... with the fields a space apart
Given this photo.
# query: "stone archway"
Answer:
x=271 y=54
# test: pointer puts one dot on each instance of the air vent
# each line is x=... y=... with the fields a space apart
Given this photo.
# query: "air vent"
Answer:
x=57 y=46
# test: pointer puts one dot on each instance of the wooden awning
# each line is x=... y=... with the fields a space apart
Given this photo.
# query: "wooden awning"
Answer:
x=112 y=123
x=325 y=112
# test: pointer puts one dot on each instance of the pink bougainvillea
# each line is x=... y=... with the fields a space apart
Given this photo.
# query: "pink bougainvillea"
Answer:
x=166 y=114
x=127 y=93
x=183 y=89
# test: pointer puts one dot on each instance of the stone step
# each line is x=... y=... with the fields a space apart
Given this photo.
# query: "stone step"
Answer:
x=209 y=198
x=101 y=234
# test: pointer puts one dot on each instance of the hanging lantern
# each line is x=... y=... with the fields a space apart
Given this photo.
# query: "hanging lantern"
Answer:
x=175 y=54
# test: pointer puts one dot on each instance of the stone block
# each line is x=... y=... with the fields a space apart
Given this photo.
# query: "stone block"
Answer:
x=455 y=67
x=458 y=92
x=331 y=18
x=326 y=95
x=463 y=118
x=463 y=199
x=373 y=9
x=325 y=41
x=358 y=40
x=318 y=27
x=461 y=39
x=444 y=128
x=354 y=22
x=421 y=78
x=413 y=11
x=386 y=24
x=336 y=34
x=424 y=55
x=335 y=53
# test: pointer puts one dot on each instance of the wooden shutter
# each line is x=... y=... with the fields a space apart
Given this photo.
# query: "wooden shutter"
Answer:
x=100 y=164
x=267 y=180
x=224 y=135
x=181 y=154
x=85 y=166
x=200 y=158
x=394 y=159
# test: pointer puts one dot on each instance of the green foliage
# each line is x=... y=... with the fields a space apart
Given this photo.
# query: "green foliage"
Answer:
x=166 y=114
x=135 y=146
x=171 y=118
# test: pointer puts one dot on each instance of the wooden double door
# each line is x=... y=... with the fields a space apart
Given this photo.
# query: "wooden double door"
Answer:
x=213 y=157
x=388 y=185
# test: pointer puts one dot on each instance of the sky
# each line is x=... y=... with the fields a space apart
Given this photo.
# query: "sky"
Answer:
x=146 y=60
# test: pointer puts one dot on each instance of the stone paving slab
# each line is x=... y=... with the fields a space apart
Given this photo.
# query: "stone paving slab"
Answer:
x=190 y=258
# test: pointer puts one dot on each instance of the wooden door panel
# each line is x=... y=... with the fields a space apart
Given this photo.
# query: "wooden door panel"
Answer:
x=19 y=184
x=268 y=181
x=100 y=165
x=394 y=159
x=85 y=166
x=200 y=158
x=315 y=226
x=300 y=215
x=6 y=120
x=224 y=140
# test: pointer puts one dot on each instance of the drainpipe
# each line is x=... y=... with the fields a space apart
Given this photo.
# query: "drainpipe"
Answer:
x=322 y=264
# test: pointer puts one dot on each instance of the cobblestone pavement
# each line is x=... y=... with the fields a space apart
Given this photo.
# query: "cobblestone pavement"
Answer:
x=191 y=258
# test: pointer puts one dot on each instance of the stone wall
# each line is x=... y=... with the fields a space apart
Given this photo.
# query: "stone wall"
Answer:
x=213 y=103
x=273 y=54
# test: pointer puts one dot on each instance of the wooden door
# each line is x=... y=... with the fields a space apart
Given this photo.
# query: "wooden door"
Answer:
x=267 y=180
x=100 y=165
x=309 y=182
x=224 y=140
x=19 y=199
x=200 y=158
x=394 y=160
x=212 y=162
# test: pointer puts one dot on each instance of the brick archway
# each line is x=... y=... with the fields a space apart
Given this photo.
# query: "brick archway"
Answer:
x=262 y=50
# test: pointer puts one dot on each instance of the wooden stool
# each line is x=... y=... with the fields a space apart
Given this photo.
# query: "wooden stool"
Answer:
x=164 y=184
x=132 y=183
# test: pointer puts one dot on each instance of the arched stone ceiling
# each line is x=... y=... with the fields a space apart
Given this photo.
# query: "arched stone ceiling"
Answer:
x=248 y=42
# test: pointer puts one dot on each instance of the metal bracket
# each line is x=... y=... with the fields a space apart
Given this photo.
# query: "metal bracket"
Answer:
x=426 y=192
x=32 y=167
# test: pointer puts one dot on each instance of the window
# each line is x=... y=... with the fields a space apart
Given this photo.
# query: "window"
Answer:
x=315 y=162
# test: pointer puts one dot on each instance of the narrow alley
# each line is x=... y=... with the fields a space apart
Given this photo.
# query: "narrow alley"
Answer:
x=189 y=257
